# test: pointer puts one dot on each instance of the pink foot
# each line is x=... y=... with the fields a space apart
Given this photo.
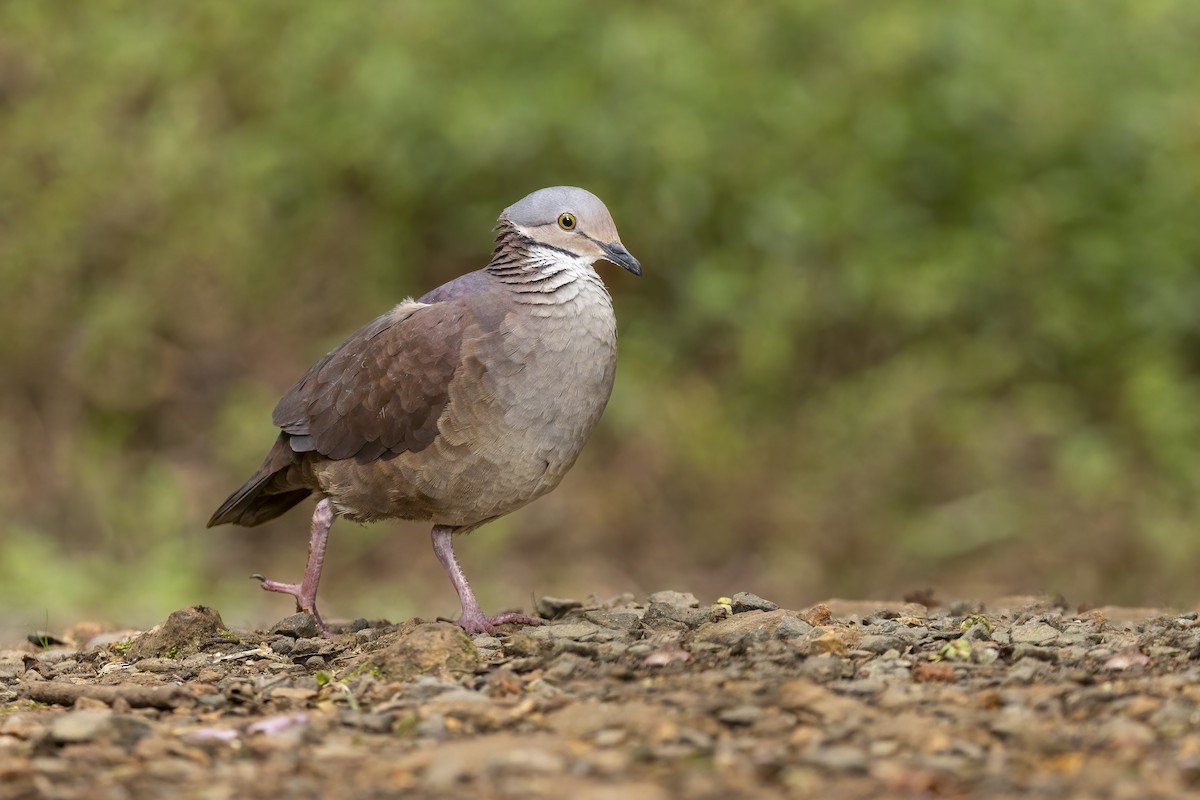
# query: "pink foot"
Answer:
x=306 y=591
x=296 y=591
x=472 y=620
x=481 y=623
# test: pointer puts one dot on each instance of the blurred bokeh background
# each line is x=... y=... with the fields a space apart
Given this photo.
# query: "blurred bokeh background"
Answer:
x=921 y=305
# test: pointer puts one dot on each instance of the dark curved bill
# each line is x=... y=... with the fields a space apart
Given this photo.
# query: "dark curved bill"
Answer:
x=617 y=254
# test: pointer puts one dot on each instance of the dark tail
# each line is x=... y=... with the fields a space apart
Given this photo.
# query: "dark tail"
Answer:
x=267 y=494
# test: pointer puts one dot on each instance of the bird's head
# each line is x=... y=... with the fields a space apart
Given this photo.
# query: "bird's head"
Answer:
x=573 y=221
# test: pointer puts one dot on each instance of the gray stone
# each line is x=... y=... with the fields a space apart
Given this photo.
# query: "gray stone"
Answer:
x=157 y=665
x=297 y=626
x=306 y=647
x=679 y=599
x=740 y=715
x=55 y=656
x=978 y=633
x=80 y=726
x=1035 y=633
x=658 y=613
x=366 y=635
x=565 y=630
x=1023 y=650
x=89 y=725
x=792 y=627
x=839 y=758
x=747 y=628
x=745 y=601
x=12 y=664
x=554 y=607
x=624 y=620
x=882 y=643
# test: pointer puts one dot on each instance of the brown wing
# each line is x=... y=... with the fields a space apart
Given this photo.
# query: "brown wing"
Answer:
x=379 y=393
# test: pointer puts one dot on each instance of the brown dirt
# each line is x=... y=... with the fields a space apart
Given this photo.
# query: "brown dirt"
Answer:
x=618 y=699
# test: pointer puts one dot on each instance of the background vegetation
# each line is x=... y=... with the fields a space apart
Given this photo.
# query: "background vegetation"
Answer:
x=922 y=303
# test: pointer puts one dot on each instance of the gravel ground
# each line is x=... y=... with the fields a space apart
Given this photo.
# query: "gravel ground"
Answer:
x=627 y=699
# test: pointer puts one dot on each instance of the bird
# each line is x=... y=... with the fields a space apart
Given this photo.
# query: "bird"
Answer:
x=456 y=408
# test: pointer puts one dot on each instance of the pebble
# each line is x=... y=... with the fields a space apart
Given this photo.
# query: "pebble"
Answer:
x=297 y=626
x=54 y=656
x=554 y=607
x=306 y=647
x=12 y=664
x=838 y=758
x=740 y=715
x=879 y=644
x=678 y=599
x=1036 y=633
x=565 y=630
x=93 y=724
x=624 y=620
x=745 y=601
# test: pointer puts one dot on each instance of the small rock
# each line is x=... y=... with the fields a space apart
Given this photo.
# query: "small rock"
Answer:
x=486 y=642
x=157 y=665
x=554 y=607
x=365 y=635
x=432 y=727
x=609 y=737
x=565 y=666
x=54 y=656
x=297 y=626
x=12 y=664
x=80 y=726
x=365 y=720
x=659 y=613
x=433 y=648
x=979 y=632
x=749 y=627
x=306 y=647
x=314 y=663
x=1023 y=650
x=90 y=725
x=566 y=630
x=792 y=627
x=184 y=633
x=283 y=645
x=1024 y=671
x=677 y=599
x=618 y=620
x=881 y=643
x=740 y=715
x=1035 y=633
x=883 y=748
x=745 y=601
x=839 y=758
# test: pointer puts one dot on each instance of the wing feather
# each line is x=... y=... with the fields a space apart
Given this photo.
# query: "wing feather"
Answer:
x=381 y=392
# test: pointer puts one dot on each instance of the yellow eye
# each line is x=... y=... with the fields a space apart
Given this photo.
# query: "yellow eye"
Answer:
x=566 y=221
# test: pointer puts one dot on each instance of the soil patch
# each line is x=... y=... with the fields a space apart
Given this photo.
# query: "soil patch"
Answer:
x=623 y=698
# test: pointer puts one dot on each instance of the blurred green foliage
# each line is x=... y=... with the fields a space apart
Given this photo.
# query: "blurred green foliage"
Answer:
x=922 y=301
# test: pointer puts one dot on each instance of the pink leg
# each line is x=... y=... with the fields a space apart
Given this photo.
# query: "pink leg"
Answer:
x=306 y=591
x=473 y=620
